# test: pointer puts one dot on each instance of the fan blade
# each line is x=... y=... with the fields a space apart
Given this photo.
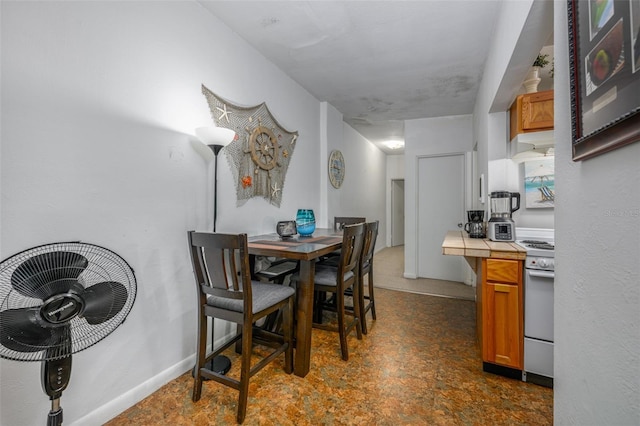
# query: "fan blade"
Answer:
x=47 y=274
x=103 y=301
x=20 y=330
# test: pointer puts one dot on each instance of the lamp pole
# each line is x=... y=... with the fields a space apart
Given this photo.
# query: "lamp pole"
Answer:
x=216 y=150
x=216 y=138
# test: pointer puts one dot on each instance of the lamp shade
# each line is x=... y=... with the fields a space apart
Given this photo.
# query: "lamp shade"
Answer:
x=212 y=135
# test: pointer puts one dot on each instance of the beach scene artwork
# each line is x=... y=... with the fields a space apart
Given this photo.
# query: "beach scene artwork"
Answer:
x=539 y=185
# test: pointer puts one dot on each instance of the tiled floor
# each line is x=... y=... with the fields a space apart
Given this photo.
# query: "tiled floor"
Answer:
x=419 y=365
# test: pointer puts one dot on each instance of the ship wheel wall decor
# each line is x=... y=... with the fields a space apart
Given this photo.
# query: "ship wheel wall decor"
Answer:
x=260 y=154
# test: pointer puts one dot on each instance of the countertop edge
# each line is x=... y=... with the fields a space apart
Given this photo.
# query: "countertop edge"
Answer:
x=456 y=243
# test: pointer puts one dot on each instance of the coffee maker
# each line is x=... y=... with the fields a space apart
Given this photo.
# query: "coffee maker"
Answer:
x=501 y=226
x=475 y=226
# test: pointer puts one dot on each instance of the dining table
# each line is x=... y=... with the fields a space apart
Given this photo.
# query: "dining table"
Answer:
x=307 y=250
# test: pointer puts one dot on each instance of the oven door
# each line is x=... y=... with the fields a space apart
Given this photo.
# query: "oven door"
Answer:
x=538 y=304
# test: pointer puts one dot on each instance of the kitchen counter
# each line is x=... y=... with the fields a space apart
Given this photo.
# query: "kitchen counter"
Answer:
x=457 y=243
x=499 y=299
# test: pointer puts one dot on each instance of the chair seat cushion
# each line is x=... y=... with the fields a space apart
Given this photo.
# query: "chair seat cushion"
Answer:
x=264 y=296
x=325 y=275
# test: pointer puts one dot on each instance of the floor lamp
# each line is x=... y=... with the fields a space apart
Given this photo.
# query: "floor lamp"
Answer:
x=216 y=138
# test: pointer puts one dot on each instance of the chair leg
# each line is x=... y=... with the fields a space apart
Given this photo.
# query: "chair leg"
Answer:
x=372 y=300
x=341 y=327
x=247 y=330
x=201 y=352
x=319 y=299
x=357 y=312
x=363 y=311
x=287 y=319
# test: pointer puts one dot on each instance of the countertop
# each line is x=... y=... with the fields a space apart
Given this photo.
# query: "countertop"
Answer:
x=457 y=243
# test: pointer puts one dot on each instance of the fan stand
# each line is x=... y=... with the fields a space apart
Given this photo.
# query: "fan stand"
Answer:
x=220 y=364
x=55 y=378
x=55 y=415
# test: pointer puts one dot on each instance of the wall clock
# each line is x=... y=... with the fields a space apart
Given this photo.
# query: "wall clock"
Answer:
x=336 y=168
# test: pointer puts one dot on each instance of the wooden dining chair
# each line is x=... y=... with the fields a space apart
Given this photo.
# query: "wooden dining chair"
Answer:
x=225 y=290
x=330 y=279
x=366 y=300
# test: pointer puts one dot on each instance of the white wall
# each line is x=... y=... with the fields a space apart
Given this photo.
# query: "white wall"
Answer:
x=597 y=285
x=99 y=103
x=423 y=137
x=362 y=191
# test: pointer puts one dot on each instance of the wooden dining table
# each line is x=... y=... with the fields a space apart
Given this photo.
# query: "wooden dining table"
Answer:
x=307 y=250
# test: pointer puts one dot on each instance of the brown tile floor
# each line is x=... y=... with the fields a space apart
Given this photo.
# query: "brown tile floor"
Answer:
x=419 y=365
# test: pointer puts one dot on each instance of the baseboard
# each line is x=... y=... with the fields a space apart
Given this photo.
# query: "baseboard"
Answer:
x=410 y=276
x=118 y=405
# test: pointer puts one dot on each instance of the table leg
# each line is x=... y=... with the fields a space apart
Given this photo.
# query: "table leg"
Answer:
x=304 y=318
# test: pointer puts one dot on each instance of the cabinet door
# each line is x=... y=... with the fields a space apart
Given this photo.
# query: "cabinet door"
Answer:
x=531 y=112
x=502 y=336
x=537 y=111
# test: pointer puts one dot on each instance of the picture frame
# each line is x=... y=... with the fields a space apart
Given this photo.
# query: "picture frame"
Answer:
x=604 y=67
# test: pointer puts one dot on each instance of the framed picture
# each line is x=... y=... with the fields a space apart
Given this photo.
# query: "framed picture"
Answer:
x=539 y=184
x=604 y=65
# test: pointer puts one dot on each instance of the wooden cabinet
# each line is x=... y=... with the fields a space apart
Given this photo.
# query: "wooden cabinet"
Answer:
x=531 y=112
x=502 y=327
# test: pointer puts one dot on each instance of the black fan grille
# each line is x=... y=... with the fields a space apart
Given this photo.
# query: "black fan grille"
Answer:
x=103 y=266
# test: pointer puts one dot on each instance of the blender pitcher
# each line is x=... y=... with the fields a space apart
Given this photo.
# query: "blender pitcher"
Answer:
x=502 y=204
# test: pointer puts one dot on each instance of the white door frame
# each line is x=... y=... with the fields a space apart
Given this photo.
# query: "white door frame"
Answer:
x=397 y=224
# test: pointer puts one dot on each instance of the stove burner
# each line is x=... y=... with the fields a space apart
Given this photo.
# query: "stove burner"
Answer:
x=543 y=245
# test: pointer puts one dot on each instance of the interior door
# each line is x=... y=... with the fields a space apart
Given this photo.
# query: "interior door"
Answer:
x=397 y=212
x=441 y=194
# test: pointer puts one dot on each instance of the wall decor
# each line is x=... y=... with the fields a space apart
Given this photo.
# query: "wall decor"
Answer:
x=539 y=187
x=604 y=66
x=336 y=168
x=260 y=154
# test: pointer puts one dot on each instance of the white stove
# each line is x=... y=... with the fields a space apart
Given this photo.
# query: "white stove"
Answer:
x=538 y=304
x=540 y=247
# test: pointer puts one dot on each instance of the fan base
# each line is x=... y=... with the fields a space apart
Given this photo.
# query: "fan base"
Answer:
x=219 y=364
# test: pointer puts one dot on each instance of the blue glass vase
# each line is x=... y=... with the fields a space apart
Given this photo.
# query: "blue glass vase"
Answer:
x=305 y=222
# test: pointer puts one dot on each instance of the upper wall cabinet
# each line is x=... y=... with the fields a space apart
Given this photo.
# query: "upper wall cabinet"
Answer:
x=531 y=112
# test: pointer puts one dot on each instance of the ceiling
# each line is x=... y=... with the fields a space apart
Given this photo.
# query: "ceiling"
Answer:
x=377 y=62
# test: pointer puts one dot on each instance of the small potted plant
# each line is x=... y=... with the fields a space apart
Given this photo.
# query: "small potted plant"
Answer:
x=533 y=77
x=541 y=61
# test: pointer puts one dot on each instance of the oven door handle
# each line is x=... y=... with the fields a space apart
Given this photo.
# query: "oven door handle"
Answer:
x=541 y=274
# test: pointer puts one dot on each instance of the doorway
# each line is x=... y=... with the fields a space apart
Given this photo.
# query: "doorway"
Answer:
x=441 y=194
x=397 y=212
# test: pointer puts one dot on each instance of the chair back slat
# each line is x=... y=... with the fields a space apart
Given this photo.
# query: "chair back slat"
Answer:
x=369 y=245
x=352 y=240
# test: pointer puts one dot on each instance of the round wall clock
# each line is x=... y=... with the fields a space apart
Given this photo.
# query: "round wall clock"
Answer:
x=336 y=168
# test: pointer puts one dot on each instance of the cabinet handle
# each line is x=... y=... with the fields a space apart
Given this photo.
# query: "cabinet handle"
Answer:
x=503 y=288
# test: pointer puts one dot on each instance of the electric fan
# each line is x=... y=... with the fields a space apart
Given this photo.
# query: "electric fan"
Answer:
x=56 y=300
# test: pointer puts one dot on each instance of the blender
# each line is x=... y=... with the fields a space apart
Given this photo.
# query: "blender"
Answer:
x=501 y=227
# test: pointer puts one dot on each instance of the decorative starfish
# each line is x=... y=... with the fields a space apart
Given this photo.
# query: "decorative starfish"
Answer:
x=285 y=153
x=225 y=113
x=275 y=189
